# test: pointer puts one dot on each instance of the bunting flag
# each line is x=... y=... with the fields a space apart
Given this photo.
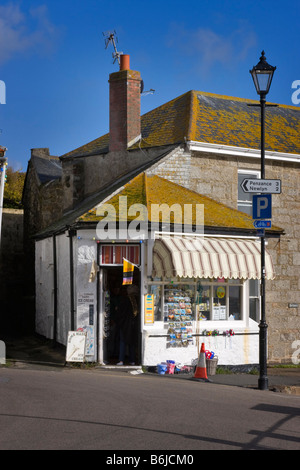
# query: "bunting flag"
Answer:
x=128 y=269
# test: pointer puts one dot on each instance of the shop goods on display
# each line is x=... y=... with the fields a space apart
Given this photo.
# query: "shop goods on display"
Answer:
x=179 y=313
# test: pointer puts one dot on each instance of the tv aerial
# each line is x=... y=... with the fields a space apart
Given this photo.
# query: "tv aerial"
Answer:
x=148 y=92
x=110 y=37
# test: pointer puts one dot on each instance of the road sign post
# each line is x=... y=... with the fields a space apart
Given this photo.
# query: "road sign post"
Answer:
x=261 y=186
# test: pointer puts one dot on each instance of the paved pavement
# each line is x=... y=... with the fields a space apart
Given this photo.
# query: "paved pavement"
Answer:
x=34 y=352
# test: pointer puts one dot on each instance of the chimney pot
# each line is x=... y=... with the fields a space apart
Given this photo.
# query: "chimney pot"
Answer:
x=124 y=62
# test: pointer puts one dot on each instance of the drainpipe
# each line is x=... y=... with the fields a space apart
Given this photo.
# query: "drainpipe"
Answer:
x=98 y=306
x=55 y=290
x=72 y=233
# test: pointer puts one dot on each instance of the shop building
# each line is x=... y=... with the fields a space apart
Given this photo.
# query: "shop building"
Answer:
x=202 y=275
x=189 y=284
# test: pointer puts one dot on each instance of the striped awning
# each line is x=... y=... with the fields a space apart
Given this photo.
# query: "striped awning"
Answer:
x=201 y=257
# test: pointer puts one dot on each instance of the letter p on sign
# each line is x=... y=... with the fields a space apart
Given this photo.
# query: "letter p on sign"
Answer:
x=262 y=206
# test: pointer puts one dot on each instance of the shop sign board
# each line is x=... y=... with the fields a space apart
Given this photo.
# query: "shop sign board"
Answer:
x=219 y=312
x=255 y=185
x=262 y=206
x=149 y=308
x=76 y=346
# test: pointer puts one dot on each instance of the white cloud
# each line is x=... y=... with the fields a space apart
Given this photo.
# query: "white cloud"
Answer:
x=24 y=31
x=208 y=48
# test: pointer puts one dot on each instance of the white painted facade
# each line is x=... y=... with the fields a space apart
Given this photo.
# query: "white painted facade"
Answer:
x=240 y=349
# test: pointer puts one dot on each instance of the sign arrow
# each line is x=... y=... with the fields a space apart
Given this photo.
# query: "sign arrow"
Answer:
x=262 y=224
x=244 y=186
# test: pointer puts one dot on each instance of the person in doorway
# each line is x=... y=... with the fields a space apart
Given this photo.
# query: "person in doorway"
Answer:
x=127 y=315
x=114 y=337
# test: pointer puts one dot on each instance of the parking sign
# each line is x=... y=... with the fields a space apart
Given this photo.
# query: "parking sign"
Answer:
x=262 y=206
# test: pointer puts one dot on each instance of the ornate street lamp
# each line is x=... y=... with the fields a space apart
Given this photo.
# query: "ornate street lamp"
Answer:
x=262 y=75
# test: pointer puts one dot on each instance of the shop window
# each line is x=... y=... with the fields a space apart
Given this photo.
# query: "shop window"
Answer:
x=245 y=199
x=235 y=303
x=254 y=300
x=220 y=300
x=219 y=311
x=215 y=300
x=203 y=301
x=112 y=255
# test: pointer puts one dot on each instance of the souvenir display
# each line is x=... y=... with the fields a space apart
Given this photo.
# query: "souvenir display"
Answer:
x=106 y=325
x=179 y=307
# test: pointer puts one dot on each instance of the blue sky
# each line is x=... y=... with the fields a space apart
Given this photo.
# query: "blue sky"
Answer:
x=55 y=66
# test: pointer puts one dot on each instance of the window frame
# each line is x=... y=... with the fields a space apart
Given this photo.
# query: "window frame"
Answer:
x=114 y=247
x=256 y=297
x=246 y=204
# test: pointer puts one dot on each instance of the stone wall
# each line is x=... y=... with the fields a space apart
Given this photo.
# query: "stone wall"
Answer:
x=216 y=176
x=12 y=271
x=83 y=177
x=284 y=321
x=42 y=206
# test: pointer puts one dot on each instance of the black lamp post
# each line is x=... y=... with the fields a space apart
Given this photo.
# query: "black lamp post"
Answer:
x=262 y=75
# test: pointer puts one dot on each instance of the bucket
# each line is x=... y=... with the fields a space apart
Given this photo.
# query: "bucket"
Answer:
x=170 y=367
x=161 y=369
x=211 y=365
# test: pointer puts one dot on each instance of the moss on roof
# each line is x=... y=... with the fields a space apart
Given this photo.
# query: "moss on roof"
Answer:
x=225 y=120
x=216 y=119
x=154 y=190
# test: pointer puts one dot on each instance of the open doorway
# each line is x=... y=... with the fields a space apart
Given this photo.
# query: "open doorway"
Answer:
x=122 y=318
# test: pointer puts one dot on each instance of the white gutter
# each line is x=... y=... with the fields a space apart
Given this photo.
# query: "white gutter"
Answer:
x=241 y=152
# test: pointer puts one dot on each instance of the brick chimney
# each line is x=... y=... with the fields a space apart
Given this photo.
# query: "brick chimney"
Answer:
x=124 y=106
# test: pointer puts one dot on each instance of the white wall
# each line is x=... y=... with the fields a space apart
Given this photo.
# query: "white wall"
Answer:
x=234 y=350
x=44 y=273
x=63 y=288
x=86 y=290
x=44 y=287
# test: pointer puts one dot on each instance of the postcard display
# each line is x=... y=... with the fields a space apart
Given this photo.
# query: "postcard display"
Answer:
x=106 y=324
x=178 y=312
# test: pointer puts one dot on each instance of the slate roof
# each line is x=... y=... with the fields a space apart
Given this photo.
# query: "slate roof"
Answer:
x=71 y=217
x=150 y=190
x=211 y=118
x=47 y=168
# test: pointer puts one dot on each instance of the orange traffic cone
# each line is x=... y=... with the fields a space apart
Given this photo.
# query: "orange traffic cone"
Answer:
x=200 y=372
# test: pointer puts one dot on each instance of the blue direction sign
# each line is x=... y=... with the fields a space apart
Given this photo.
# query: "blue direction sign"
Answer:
x=262 y=206
x=262 y=224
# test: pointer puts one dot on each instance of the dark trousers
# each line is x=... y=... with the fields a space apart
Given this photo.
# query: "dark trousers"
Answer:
x=122 y=351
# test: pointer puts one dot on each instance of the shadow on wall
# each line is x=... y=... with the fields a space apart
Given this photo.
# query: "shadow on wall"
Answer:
x=17 y=302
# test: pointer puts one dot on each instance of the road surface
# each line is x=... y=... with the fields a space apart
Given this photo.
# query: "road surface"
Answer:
x=117 y=411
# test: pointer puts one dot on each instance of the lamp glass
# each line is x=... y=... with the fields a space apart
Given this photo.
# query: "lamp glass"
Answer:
x=262 y=80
